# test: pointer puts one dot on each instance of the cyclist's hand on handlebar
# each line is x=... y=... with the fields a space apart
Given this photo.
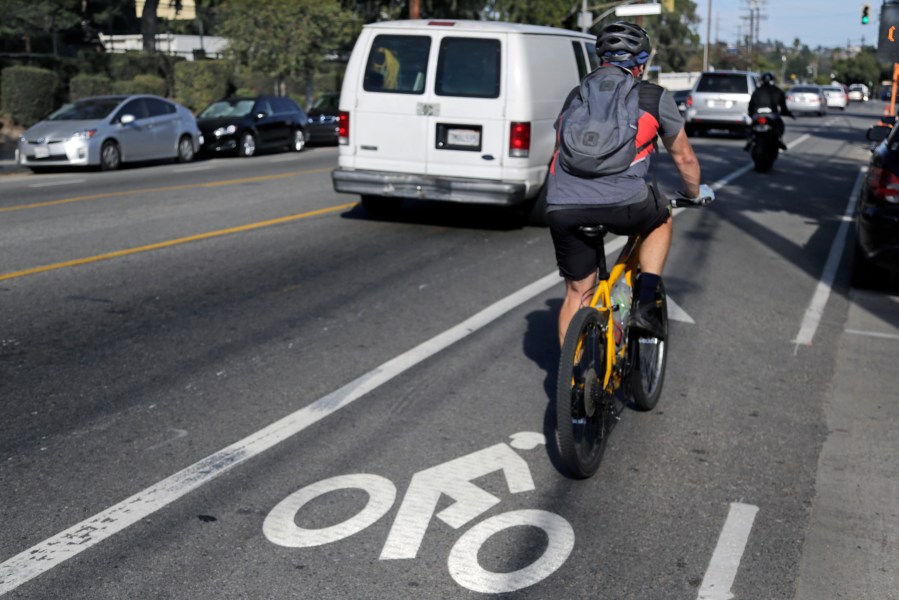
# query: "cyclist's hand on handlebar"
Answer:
x=706 y=196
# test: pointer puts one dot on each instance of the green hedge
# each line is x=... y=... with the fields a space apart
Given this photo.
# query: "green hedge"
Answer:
x=201 y=82
x=142 y=84
x=84 y=86
x=28 y=93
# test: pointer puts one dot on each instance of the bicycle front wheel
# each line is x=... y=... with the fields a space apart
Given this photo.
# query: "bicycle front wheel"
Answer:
x=648 y=359
x=583 y=422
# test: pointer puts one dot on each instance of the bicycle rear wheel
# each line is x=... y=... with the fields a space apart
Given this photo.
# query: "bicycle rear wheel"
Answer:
x=583 y=420
x=648 y=358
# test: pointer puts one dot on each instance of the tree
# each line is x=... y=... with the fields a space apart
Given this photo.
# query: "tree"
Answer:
x=673 y=36
x=284 y=38
x=28 y=20
x=148 y=25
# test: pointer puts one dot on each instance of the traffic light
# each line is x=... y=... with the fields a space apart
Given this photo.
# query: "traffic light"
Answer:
x=866 y=14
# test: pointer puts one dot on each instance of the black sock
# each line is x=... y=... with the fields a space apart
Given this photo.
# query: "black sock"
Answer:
x=647 y=284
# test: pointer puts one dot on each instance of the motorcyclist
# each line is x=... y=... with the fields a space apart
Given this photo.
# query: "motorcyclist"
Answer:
x=770 y=96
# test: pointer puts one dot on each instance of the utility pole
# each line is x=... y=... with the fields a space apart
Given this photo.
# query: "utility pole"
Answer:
x=414 y=9
x=708 y=33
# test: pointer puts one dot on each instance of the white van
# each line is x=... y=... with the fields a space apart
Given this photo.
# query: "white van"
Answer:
x=458 y=111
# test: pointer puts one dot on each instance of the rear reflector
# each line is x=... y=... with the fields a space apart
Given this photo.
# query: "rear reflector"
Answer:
x=520 y=139
x=343 y=128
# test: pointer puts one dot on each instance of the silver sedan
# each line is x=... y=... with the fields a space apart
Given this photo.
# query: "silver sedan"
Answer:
x=106 y=131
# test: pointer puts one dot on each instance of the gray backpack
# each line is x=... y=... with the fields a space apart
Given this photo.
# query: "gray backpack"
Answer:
x=598 y=130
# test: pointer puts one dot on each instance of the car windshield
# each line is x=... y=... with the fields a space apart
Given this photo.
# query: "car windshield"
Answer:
x=227 y=108
x=86 y=110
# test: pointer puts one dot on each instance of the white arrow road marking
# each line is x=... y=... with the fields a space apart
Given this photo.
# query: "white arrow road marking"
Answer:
x=676 y=313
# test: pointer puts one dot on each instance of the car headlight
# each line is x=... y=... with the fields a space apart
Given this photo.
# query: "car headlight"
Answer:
x=83 y=135
x=224 y=130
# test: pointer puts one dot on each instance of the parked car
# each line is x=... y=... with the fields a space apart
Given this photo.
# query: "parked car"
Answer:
x=323 y=122
x=681 y=98
x=720 y=100
x=807 y=99
x=836 y=96
x=877 y=211
x=106 y=131
x=858 y=92
x=245 y=125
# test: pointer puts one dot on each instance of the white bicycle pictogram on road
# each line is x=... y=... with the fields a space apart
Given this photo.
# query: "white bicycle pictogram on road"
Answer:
x=453 y=479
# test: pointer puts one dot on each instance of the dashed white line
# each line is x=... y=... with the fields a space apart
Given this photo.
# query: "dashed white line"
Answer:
x=722 y=571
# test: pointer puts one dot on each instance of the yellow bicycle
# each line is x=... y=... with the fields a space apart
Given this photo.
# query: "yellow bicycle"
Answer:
x=603 y=362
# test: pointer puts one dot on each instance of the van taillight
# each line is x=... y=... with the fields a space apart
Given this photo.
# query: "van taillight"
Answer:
x=520 y=140
x=883 y=185
x=689 y=100
x=343 y=128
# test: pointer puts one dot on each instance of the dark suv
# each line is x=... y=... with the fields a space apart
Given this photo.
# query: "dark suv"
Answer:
x=720 y=100
x=246 y=125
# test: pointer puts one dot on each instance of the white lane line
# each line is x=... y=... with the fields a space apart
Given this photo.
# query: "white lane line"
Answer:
x=722 y=571
x=52 y=183
x=815 y=308
x=874 y=334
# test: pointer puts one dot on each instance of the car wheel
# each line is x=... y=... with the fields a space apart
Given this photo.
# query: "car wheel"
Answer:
x=110 y=156
x=185 y=149
x=299 y=140
x=247 y=145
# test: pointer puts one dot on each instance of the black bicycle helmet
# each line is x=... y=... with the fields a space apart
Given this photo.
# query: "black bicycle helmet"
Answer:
x=768 y=77
x=623 y=42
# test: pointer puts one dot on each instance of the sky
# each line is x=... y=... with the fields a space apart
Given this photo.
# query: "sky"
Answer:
x=828 y=23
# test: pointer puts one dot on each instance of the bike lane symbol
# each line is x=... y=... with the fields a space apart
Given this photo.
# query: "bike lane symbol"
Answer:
x=453 y=479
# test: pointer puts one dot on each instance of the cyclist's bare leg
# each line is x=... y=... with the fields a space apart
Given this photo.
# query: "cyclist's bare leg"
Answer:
x=654 y=249
x=577 y=294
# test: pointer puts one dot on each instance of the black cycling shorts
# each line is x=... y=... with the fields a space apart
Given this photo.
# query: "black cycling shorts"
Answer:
x=575 y=254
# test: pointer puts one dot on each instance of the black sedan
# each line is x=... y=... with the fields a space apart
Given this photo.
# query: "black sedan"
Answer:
x=246 y=125
x=324 y=119
x=877 y=212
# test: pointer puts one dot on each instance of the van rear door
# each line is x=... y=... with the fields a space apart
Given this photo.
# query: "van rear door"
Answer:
x=389 y=130
x=466 y=132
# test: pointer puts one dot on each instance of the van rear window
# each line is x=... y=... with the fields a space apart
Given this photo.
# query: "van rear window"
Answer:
x=468 y=67
x=397 y=64
x=723 y=83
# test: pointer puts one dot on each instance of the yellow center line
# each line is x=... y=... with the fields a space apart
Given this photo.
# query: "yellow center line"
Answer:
x=170 y=243
x=168 y=188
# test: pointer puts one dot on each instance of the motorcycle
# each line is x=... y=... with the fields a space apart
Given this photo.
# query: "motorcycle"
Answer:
x=764 y=143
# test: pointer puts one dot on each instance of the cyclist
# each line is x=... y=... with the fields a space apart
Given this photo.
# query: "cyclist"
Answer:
x=624 y=202
x=770 y=96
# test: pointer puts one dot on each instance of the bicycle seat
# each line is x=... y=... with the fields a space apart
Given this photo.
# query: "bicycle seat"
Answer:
x=594 y=231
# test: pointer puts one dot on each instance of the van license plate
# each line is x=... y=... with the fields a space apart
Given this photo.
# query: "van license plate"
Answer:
x=463 y=137
x=41 y=151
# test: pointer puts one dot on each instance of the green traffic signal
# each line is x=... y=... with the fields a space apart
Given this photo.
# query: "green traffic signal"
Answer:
x=866 y=14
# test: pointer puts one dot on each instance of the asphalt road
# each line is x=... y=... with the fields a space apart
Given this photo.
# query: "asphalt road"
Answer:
x=223 y=380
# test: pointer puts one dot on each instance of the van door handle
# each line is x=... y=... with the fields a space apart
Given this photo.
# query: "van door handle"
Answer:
x=427 y=109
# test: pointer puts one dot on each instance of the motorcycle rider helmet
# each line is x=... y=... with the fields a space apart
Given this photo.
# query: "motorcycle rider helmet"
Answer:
x=624 y=44
x=768 y=78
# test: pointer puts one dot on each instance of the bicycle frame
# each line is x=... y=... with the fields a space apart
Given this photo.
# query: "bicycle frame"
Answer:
x=625 y=266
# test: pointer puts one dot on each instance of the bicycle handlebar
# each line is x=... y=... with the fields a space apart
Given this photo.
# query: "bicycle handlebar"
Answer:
x=706 y=196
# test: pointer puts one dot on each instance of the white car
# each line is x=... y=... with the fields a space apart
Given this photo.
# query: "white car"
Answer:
x=858 y=92
x=836 y=96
